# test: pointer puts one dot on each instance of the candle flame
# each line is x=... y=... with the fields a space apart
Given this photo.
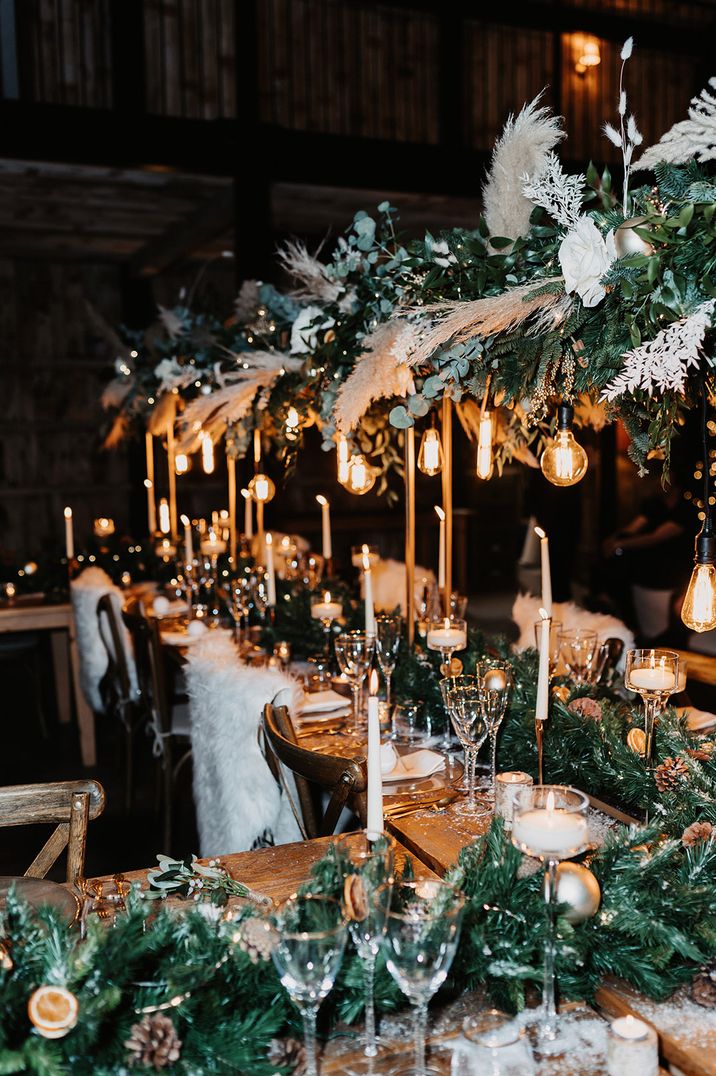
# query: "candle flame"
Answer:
x=366 y=560
x=269 y=538
x=550 y=802
x=245 y=494
x=148 y=483
x=540 y=533
x=185 y=520
x=373 y=682
x=321 y=500
x=68 y=512
x=327 y=597
x=544 y=615
x=440 y=512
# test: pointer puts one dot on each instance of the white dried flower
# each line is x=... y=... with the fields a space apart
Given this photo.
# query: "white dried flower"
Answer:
x=627 y=48
x=305 y=329
x=585 y=258
x=633 y=132
x=560 y=194
x=622 y=103
x=171 y=322
x=613 y=135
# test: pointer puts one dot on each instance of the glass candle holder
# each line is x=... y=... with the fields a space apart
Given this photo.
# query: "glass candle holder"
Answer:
x=653 y=674
x=550 y=823
x=507 y=788
x=326 y=609
x=632 y=1048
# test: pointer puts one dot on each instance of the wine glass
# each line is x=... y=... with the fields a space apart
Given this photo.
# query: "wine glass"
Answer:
x=426 y=606
x=555 y=630
x=366 y=862
x=495 y=683
x=239 y=598
x=578 y=648
x=550 y=823
x=259 y=591
x=654 y=674
x=422 y=929
x=310 y=939
x=313 y=565
x=387 y=643
x=354 y=651
x=446 y=634
x=463 y=701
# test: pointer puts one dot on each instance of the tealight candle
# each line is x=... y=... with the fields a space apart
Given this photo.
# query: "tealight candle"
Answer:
x=327 y=609
x=103 y=527
x=632 y=1048
x=657 y=679
x=446 y=637
x=507 y=786
x=494 y=680
x=213 y=545
x=550 y=832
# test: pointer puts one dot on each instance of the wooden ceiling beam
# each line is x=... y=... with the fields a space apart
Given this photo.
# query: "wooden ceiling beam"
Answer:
x=184 y=237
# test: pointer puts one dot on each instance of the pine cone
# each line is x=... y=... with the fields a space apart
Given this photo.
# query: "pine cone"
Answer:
x=586 y=707
x=670 y=773
x=288 y=1052
x=695 y=833
x=702 y=753
x=256 y=939
x=703 y=988
x=153 y=1043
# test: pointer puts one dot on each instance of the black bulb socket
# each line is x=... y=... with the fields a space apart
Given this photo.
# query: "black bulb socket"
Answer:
x=706 y=543
x=565 y=416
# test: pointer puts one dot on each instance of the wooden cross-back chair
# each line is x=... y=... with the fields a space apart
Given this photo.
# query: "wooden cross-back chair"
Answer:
x=168 y=717
x=117 y=688
x=70 y=805
x=344 y=779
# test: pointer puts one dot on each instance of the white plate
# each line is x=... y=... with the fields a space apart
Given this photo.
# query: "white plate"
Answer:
x=414 y=766
x=323 y=702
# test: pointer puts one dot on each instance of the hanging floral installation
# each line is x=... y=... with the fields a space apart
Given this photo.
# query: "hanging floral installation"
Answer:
x=564 y=293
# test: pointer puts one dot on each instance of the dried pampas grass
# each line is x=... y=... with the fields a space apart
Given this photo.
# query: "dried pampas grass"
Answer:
x=313 y=283
x=118 y=432
x=521 y=150
x=163 y=415
x=381 y=373
x=459 y=321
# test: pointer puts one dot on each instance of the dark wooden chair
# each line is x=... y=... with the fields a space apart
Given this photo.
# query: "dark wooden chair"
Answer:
x=116 y=688
x=70 y=805
x=344 y=779
x=167 y=713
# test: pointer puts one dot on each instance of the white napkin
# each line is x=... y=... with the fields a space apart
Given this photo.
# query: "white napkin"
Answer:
x=696 y=719
x=163 y=607
x=195 y=631
x=411 y=767
x=318 y=702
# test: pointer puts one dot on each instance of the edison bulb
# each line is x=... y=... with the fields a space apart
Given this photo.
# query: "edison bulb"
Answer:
x=361 y=476
x=485 y=462
x=261 y=488
x=293 y=423
x=430 y=457
x=699 y=609
x=564 y=462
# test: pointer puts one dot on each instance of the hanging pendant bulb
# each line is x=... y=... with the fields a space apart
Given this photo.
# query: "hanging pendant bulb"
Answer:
x=699 y=609
x=343 y=461
x=361 y=476
x=430 y=456
x=262 y=488
x=485 y=461
x=564 y=462
x=207 y=453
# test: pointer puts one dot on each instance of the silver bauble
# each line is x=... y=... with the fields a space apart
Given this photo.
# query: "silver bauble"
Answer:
x=626 y=241
x=577 y=887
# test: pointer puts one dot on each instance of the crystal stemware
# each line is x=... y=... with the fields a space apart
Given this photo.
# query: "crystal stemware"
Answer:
x=654 y=674
x=354 y=651
x=310 y=939
x=463 y=700
x=495 y=684
x=555 y=631
x=498 y=1046
x=578 y=648
x=312 y=567
x=365 y=862
x=422 y=929
x=239 y=600
x=550 y=823
x=446 y=635
x=325 y=608
x=387 y=643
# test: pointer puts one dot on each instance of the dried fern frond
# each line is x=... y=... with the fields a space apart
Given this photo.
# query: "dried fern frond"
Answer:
x=693 y=138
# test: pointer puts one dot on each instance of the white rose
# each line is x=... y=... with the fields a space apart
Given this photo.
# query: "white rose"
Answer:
x=170 y=374
x=585 y=258
x=306 y=327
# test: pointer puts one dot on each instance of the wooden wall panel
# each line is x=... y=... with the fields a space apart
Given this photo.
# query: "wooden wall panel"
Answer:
x=54 y=369
x=64 y=51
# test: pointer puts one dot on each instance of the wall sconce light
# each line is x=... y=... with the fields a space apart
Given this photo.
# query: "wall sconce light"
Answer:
x=587 y=54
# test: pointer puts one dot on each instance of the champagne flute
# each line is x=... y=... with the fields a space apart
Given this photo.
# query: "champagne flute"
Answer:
x=365 y=862
x=495 y=683
x=354 y=651
x=310 y=939
x=463 y=701
x=446 y=634
x=550 y=823
x=387 y=643
x=422 y=929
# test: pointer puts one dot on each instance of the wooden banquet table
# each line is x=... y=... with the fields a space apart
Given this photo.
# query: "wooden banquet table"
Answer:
x=36 y=614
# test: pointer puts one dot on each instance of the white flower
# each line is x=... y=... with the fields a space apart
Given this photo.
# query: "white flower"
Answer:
x=584 y=259
x=306 y=327
x=171 y=375
x=627 y=48
x=446 y=258
x=172 y=322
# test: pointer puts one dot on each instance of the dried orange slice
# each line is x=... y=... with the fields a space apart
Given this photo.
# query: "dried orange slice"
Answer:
x=53 y=1010
x=355 y=900
x=636 y=739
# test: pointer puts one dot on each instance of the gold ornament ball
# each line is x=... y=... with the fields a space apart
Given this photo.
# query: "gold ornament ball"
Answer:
x=626 y=241
x=577 y=887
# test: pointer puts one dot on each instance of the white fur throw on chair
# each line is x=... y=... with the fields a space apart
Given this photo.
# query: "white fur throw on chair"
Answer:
x=525 y=613
x=389 y=584
x=237 y=798
x=86 y=590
